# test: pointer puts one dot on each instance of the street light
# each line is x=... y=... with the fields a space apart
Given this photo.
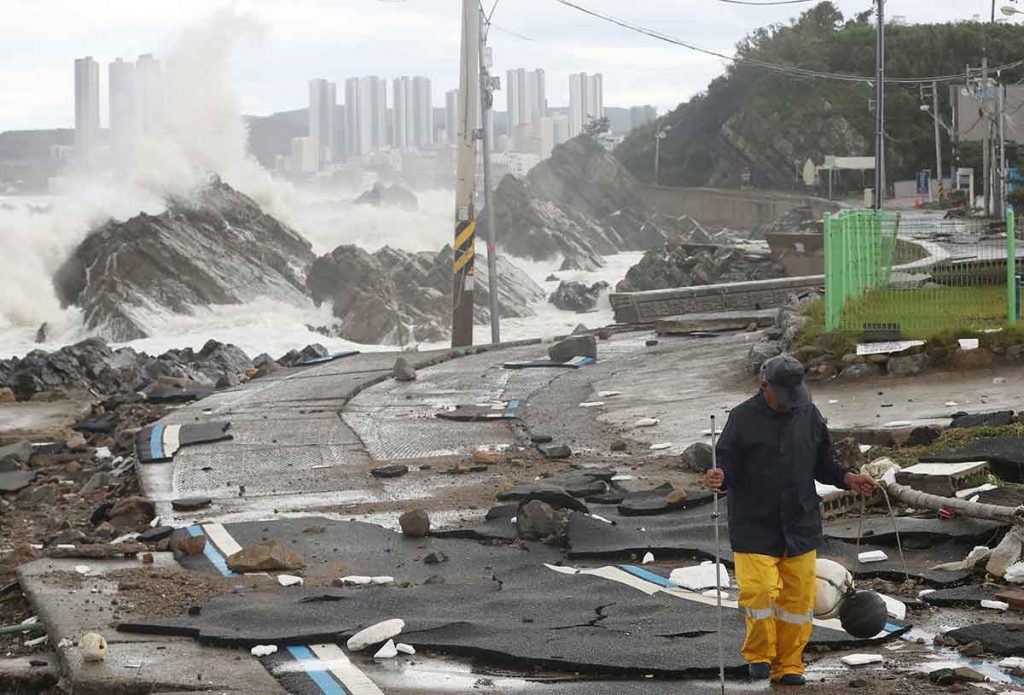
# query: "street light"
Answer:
x=1010 y=10
x=662 y=134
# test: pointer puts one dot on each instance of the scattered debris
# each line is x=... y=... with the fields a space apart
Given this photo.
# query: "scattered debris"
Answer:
x=93 y=647
x=263 y=650
x=648 y=559
x=290 y=580
x=190 y=504
x=403 y=371
x=700 y=577
x=861 y=659
x=265 y=557
x=388 y=651
x=395 y=470
x=375 y=634
x=647 y=422
x=872 y=556
x=415 y=523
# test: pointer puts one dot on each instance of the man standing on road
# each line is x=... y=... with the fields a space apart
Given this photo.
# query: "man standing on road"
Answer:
x=772 y=449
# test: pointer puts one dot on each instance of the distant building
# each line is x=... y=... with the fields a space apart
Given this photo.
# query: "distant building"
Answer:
x=323 y=102
x=366 y=115
x=423 y=112
x=554 y=130
x=640 y=116
x=305 y=157
x=586 y=101
x=413 y=113
x=451 y=116
x=525 y=97
x=149 y=94
x=520 y=163
x=401 y=96
x=87 y=105
x=125 y=119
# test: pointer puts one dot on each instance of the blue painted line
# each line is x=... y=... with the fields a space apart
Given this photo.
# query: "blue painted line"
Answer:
x=211 y=553
x=324 y=680
x=156 y=442
x=649 y=576
x=513 y=404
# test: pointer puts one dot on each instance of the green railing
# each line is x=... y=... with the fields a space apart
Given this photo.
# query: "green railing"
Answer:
x=920 y=274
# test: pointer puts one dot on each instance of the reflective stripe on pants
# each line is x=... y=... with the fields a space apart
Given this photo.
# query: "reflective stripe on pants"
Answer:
x=777 y=599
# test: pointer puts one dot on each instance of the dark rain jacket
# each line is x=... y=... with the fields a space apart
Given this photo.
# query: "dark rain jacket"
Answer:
x=771 y=461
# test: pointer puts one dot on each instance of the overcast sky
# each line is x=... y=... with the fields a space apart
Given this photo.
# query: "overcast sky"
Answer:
x=335 y=39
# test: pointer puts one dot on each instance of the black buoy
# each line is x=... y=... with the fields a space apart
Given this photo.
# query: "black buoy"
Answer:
x=863 y=614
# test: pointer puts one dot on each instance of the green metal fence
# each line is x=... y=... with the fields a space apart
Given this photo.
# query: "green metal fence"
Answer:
x=919 y=273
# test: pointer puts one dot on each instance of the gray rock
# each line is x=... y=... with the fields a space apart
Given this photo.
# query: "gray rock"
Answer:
x=395 y=470
x=415 y=523
x=922 y=436
x=555 y=451
x=701 y=263
x=12 y=455
x=393 y=196
x=403 y=370
x=575 y=296
x=860 y=370
x=537 y=521
x=573 y=346
x=98 y=481
x=697 y=457
x=190 y=504
x=43 y=494
x=266 y=557
x=435 y=557
x=13 y=481
x=760 y=353
x=908 y=365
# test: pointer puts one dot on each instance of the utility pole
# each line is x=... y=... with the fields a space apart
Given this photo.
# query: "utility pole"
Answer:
x=938 y=135
x=486 y=104
x=880 y=108
x=987 y=140
x=465 y=177
x=1001 y=106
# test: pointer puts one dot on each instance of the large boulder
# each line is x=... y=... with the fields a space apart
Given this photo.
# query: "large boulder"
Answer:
x=576 y=296
x=215 y=247
x=393 y=196
x=579 y=204
x=400 y=297
x=687 y=264
x=573 y=346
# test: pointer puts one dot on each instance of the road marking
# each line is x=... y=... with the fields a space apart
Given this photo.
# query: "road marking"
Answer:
x=211 y=553
x=219 y=535
x=171 y=440
x=156 y=442
x=335 y=660
x=316 y=671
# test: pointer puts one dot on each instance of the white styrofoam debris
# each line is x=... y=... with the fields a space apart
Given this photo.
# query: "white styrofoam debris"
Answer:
x=873 y=556
x=864 y=448
x=356 y=580
x=290 y=580
x=93 y=647
x=375 y=634
x=896 y=608
x=898 y=423
x=388 y=651
x=648 y=559
x=968 y=343
x=924 y=592
x=713 y=593
x=608 y=394
x=514 y=519
x=65 y=643
x=951 y=404
x=592 y=404
x=964 y=494
x=405 y=649
x=103 y=453
x=646 y=422
x=861 y=659
x=1015 y=573
x=996 y=605
x=83 y=569
x=700 y=577
x=999 y=380
x=1012 y=663
x=661 y=446
x=34 y=620
x=263 y=650
x=155 y=522
x=621 y=476
x=35 y=642
x=833 y=401
x=382 y=580
x=600 y=518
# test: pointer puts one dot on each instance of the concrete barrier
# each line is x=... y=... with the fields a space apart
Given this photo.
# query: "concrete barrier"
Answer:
x=738 y=209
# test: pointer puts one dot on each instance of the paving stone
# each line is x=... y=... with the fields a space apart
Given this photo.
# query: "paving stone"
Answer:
x=396 y=470
x=190 y=504
x=545 y=492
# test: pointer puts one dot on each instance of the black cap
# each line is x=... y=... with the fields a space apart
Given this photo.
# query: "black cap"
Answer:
x=786 y=375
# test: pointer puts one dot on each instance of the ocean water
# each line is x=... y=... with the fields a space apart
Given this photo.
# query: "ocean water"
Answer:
x=45 y=229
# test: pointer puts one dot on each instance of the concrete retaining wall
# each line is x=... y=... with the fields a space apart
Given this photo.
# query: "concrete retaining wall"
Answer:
x=643 y=307
x=731 y=208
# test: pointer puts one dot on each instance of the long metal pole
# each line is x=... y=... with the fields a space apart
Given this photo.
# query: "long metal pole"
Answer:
x=880 y=107
x=657 y=159
x=1001 y=102
x=486 y=103
x=718 y=563
x=938 y=134
x=465 y=184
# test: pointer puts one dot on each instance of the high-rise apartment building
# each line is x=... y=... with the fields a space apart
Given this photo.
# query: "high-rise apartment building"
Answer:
x=413 y=113
x=125 y=120
x=451 y=116
x=525 y=97
x=401 y=111
x=422 y=113
x=323 y=101
x=366 y=112
x=586 y=101
x=149 y=94
x=87 y=105
x=554 y=130
x=641 y=115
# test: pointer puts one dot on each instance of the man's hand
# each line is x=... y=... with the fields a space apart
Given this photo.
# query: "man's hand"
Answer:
x=714 y=479
x=861 y=483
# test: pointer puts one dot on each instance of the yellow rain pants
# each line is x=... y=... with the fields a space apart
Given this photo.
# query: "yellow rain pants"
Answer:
x=777 y=599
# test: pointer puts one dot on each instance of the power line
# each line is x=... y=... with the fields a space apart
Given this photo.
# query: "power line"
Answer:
x=766 y=4
x=786 y=69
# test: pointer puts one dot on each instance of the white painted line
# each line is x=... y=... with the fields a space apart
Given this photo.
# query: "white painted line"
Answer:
x=354 y=680
x=171 y=441
x=221 y=538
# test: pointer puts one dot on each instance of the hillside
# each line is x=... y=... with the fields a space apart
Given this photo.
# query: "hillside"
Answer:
x=756 y=119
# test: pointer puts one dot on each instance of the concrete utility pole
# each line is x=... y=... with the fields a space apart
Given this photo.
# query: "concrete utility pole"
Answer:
x=880 y=108
x=938 y=134
x=486 y=104
x=465 y=175
x=986 y=147
x=1001 y=109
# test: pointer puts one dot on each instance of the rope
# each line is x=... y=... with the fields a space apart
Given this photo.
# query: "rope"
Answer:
x=895 y=528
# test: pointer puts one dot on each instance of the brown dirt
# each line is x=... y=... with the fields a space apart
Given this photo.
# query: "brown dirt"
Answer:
x=14 y=608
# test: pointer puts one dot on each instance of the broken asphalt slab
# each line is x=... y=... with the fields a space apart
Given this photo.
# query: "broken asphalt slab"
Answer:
x=532 y=616
x=914 y=532
x=1004 y=639
x=358 y=548
x=968 y=596
x=1004 y=454
x=159 y=443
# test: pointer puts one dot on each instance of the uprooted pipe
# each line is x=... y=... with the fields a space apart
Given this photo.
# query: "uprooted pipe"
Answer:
x=921 y=500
